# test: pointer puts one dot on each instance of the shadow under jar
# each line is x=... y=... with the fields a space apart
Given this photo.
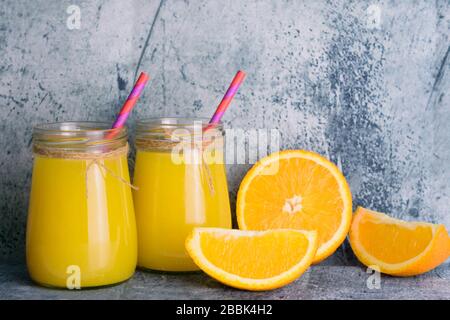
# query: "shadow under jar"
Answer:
x=81 y=229
x=181 y=181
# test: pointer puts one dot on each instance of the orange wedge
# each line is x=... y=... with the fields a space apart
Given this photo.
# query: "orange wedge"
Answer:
x=296 y=189
x=252 y=260
x=395 y=246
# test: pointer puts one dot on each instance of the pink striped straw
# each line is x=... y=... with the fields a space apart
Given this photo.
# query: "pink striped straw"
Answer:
x=226 y=100
x=131 y=100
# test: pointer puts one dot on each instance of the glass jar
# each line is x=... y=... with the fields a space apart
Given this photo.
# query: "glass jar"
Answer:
x=181 y=181
x=81 y=229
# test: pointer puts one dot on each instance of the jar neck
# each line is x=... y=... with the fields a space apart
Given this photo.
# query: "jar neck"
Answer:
x=78 y=138
x=166 y=133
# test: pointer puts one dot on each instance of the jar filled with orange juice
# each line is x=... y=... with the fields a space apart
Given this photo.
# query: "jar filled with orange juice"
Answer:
x=81 y=229
x=181 y=184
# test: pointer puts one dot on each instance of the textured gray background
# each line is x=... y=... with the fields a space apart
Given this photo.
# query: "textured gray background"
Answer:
x=372 y=97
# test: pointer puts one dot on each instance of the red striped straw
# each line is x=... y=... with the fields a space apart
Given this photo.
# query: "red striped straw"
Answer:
x=223 y=105
x=131 y=101
x=129 y=104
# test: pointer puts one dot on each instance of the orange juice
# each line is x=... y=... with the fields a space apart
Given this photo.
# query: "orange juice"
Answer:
x=174 y=195
x=81 y=226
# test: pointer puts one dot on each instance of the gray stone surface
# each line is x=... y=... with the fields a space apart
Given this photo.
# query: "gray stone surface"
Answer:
x=320 y=282
x=373 y=97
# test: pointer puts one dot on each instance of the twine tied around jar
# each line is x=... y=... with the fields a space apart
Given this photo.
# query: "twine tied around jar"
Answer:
x=92 y=158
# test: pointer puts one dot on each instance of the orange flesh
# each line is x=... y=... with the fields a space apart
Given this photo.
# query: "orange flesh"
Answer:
x=321 y=202
x=405 y=242
x=254 y=257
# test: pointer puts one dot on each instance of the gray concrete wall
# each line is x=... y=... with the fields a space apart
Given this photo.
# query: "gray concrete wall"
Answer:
x=363 y=82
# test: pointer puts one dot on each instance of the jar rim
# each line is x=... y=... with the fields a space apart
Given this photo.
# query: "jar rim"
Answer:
x=76 y=127
x=76 y=135
x=165 y=132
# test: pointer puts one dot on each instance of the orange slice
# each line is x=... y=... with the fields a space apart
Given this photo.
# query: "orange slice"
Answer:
x=297 y=189
x=252 y=260
x=395 y=246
